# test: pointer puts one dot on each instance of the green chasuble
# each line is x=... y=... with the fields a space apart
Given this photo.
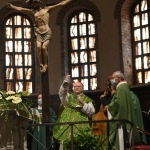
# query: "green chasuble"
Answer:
x=138 y=113
x=121 y=107
x=71 y=113
x=40 y=133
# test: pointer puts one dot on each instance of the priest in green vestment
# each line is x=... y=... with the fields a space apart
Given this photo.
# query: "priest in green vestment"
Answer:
x=121 y=107
x=40 y=131
x=138 y=112
x=77 y=107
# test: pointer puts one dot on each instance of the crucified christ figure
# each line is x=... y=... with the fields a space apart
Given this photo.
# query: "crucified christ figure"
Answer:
x=42 y=30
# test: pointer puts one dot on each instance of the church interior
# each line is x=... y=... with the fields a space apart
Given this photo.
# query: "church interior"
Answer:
x=90 y=39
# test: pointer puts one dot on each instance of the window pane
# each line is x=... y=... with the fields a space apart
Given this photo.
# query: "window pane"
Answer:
x=17 y=20
x=137 y=8
x=19 y=73
x=85 y=83
x=92 y=42
x=146 y=61
x=136 y=20
x=29 y=87
x=19 y=86
x=28 y=73
x=18 y=33
x=27 y=33
x=74 y=19
x=25 y=22
x=75 y=71
x=83 y=57
x=138 y=49
x=144 y=18
x=27 y=46
x=9 y=21
x=93 y=83
x=137 y=35
x=73 y=30
x=90 y=17
x=74 y=58
x=146 y=47
x=138 y=63
x=147 y=77
x=82 y=17
x=18 y=60
x=74 y=44
x=83 y=43
x=9 y=60
x=139 y=77
x=143 y=5
x=82 y=29
x=18 y=46
x=8 y=33
x=91 y=28
x=9 y=73
x=145 y=33
x=9 y=86
x=9 y=46
x=84 y=70
x=93 y=56
x=27 y=60
x=93 y=70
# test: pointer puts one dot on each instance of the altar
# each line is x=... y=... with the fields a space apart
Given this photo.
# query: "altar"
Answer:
x=11 y=131
x=10 y=127
x=14 y=114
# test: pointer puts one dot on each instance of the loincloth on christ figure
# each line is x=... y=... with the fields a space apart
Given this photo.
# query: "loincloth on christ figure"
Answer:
x=42 y=37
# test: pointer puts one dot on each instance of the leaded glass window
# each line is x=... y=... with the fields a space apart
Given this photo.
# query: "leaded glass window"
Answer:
x=141 y=41
x=82 y=49
x=19 y=56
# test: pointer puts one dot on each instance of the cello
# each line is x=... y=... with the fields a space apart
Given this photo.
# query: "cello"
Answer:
x=99 y=128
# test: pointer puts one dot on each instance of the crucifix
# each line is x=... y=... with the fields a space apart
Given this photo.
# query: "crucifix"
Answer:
x=43 y=34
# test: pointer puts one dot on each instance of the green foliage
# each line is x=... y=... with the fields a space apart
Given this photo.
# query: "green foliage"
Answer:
x=86 y=141
x=18 y=102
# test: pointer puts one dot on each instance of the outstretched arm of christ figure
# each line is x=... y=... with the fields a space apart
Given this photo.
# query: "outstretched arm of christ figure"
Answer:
x=11 y=6
x=42 y=30
x=58 y=5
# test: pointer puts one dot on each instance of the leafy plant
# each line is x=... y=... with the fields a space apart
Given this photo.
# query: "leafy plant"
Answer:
x=18 y=102
x=85 y=140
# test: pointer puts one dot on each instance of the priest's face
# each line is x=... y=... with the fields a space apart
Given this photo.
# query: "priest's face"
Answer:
x=116 y=79
x=78 y=88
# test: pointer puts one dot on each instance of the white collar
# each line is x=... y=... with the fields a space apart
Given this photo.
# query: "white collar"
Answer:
x=121 y=82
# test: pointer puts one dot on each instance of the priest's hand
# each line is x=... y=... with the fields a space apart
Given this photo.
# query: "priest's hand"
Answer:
x=79 y=100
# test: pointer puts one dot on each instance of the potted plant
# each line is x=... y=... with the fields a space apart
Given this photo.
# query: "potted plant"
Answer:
x=85 y=140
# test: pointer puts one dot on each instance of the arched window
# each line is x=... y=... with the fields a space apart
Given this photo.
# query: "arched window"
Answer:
x=82 y=49
x=18 y=53
x=140 y=20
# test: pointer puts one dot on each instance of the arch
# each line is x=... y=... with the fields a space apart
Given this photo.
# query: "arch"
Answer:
x=4 y=14
x=76 y=5
x=62 y=18
x=122 y=13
